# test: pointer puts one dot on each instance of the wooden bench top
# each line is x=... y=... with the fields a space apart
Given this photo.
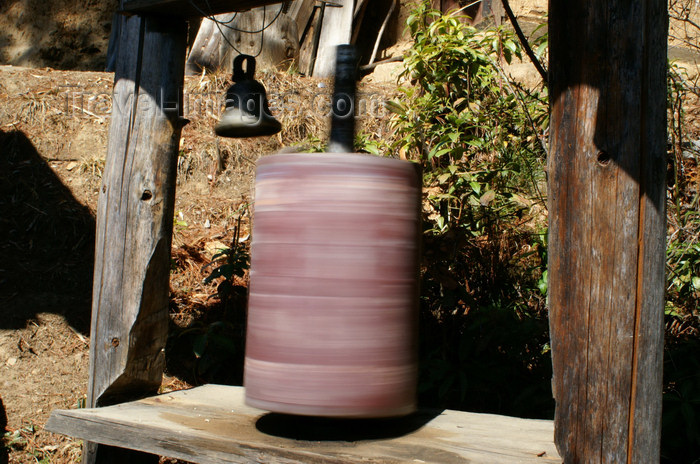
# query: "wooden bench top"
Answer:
x=212 y=424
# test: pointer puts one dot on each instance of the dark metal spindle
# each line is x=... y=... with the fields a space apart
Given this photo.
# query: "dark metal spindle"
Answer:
x=343 y=117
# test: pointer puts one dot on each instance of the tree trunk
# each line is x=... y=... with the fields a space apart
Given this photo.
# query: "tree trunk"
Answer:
x=607 y=226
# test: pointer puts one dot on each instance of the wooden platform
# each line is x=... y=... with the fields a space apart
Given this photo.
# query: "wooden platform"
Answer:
x=211 y=424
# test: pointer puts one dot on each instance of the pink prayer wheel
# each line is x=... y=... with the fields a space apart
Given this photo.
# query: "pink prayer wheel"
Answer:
x=333 y=298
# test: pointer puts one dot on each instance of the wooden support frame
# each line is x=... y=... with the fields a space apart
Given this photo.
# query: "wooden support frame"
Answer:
x=607 y=226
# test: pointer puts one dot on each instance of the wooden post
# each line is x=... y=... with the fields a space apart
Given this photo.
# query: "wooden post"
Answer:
x=607 y=226
x=135 y=217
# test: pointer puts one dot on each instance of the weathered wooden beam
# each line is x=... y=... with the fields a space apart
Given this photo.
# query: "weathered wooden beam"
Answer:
x=190 y=8
x=300 y=11
x=204 y=53
x=607 y=226
x=135 y=214
x=336 y=30
x=212 y=425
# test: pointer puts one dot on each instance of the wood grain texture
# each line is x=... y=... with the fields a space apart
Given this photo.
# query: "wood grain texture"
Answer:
x=189 y=8
x=212 y=424
x=135 y=213
x=275 y=49
x=645 y=409
x=301 y=11
x=204 y=53
x=215 y=47
x=606 y=236
x=336 y=30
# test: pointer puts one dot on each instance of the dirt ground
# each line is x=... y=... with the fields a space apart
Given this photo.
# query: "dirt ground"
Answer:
x=65 y=34
x=53 y=138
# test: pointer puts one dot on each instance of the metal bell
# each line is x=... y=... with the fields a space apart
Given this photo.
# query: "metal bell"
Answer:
x=247 y=113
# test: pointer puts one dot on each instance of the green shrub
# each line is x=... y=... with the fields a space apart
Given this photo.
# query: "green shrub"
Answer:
x=680 y=440
x=480 y=141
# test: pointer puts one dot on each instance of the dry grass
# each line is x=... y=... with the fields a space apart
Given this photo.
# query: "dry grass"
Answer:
x=62 y=161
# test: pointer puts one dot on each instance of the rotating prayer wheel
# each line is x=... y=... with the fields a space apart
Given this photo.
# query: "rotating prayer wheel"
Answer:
x=333 y=298
x=332 y=319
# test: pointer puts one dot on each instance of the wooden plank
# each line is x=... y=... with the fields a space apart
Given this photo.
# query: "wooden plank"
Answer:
x=336 y=30
x=276 y=48
x=216 y=46
x=606 y=236
x=190 y=8
x=211 y=424
x=135 y=214
x=205 y=49
x=300 y=11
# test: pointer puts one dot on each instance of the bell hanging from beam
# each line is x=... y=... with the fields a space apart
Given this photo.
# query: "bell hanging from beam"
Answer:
x=247 y=113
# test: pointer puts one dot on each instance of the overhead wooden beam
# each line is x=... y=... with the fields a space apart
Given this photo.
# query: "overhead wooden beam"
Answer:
x=607 y=226
x=135 y=217
x=190 y=8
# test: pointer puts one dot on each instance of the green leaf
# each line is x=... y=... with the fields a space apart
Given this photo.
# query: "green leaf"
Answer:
x=438 y=153
x=507 y=55
x=477 y=143
x=476 y=187
x=395 y=107
x=440 y=222
x=372 y=148
x=487 y=198
x=542 y=283
x=696 y=282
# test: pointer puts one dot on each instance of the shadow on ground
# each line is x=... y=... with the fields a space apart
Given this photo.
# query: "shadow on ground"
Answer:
x=210 y=347
x=46 y=240
x=62 y=34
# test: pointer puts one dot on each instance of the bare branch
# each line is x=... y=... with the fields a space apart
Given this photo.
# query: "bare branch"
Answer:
x=524 y=42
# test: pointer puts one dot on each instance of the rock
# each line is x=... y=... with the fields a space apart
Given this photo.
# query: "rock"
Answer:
x=388 y=72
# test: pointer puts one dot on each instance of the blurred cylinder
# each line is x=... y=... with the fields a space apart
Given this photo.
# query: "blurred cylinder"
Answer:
x=332 y=312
